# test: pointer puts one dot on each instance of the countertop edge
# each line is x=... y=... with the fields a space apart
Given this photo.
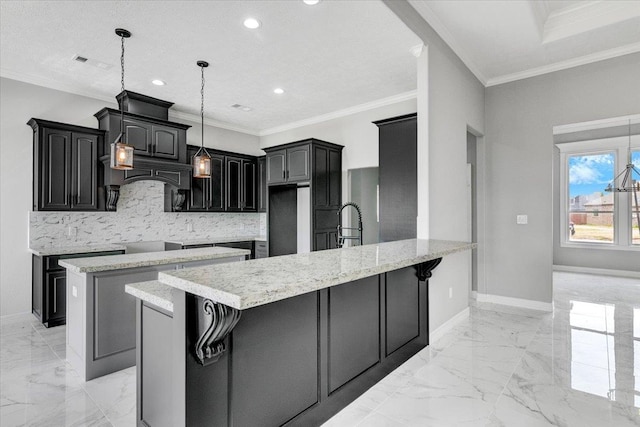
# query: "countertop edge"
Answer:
x=68 y=250
x=224 y=253
x=235 y=301
x=148 y=292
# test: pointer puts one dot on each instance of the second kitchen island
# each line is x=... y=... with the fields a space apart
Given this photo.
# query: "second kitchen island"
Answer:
x=287 y=340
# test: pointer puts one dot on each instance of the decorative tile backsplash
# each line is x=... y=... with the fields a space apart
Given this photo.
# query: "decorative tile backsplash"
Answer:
x=140 y=217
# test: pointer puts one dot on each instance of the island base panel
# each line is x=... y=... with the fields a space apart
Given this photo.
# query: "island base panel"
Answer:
x=298 y=361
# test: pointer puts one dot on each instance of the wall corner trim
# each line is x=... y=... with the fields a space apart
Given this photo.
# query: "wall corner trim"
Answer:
x=516 y=302
x=448 y=325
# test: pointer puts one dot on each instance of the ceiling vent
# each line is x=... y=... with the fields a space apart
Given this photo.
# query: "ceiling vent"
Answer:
x=80 y=58
x=241 y=107
x=92 y=62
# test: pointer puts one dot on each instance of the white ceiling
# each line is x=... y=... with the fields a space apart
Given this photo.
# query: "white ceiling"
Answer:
x=506 y=40
x=327 y=57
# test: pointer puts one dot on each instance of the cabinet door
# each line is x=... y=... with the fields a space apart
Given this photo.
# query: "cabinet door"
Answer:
x=56 y=297
x=262 y=184
x=276 y=166
x=217 y=184
x=198 y=196
x=56 y=170
x=234 y=184
x=138 y=134
x=298 y=164
x=164 y=142
x=84 y=173
x=248 y=185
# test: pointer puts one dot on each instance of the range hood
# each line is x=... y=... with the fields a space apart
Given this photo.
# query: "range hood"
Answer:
x=160 y=146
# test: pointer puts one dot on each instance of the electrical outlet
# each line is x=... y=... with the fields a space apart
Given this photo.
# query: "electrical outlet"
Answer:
x=189 y=227
x=450 y=292
x=74 y=291
x=72 y=231
x=522 y=219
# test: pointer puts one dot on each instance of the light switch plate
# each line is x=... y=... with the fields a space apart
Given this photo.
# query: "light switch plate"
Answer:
x=74 y=291
x=522 y=219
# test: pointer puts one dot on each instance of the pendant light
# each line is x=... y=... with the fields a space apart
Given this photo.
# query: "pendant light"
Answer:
x=628 y=184
x=121 y=152
x=201 y=161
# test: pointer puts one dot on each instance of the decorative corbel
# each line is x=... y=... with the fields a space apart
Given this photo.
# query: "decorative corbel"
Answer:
x=179 y=199
x=424 y=269
x=112 y=193
x=219 y=320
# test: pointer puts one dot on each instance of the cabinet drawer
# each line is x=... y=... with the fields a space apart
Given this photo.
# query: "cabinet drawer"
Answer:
x=261 y=245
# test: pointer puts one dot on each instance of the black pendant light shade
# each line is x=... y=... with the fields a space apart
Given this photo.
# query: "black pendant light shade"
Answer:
x=121 y=152
x=201 y=161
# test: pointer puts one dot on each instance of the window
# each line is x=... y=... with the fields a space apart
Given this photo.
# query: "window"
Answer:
x=591 y=216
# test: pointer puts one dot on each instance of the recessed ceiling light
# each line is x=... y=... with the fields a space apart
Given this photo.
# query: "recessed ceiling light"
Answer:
x=278 y=91
x=252 y=23
x=311 y=2
x=158 y=82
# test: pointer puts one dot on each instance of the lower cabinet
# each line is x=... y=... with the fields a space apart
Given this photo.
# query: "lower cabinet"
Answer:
x=49 y=287
x=240 y=245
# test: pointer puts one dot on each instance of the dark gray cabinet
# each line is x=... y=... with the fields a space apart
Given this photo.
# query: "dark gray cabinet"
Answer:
x=262 y=184
x=398 y=177
x=231 y=188
x=208 y=195
x=312 y=161
x=49 y=287
x=65 y=167
x=149 y=136
x=291 y=164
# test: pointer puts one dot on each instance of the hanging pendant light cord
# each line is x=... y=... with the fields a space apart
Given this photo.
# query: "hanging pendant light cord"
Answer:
x=122 y=88
x=202 y=109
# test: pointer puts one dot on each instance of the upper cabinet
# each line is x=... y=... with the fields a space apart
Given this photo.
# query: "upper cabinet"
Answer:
x=149 y=136
x=262 y=184
x=290 y=164
x=65 y=167
x=231 y=188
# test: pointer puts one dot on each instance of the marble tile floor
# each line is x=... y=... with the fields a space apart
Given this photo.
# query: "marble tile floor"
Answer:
x=504 y=366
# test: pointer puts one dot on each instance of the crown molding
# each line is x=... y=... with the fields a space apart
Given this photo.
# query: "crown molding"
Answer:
x=563 y=65
x=342 y=113
x=181 y=115
x=596 y=124
x=427 y=13
x=587 y=16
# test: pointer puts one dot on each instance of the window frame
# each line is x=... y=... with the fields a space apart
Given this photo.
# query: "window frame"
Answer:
x=622 y=206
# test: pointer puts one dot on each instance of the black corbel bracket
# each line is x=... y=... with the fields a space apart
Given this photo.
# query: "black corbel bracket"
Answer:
x=424 y=269
x=112 y=196
x=219 y=320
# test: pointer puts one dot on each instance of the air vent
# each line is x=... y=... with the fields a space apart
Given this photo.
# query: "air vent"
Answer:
x=241 y=107
x=92 y=62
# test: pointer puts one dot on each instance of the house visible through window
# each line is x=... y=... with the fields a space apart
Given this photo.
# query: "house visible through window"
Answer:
x=592 y=211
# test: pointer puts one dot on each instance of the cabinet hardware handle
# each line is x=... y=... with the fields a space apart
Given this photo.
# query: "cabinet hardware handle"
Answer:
x=55 y=299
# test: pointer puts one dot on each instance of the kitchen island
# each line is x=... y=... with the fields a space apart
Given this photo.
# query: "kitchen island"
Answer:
x=287 y=340
x=101 y=316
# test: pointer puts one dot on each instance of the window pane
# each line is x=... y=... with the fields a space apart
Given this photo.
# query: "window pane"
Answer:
x=635 y=213
x=591 y=209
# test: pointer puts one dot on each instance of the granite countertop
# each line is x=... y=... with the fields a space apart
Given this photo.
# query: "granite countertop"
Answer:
x=214 y=240
x=119 y=262
x=153 y=292
x=261 y=281
x=84 y=249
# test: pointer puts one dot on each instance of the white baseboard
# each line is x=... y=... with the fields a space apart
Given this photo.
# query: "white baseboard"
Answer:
x=448 y=325
x=597 y=271
x=516 y=302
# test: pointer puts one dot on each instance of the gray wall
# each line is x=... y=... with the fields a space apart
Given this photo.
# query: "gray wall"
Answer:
x=519 y=170
x=450 y=100
x=363 y=188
